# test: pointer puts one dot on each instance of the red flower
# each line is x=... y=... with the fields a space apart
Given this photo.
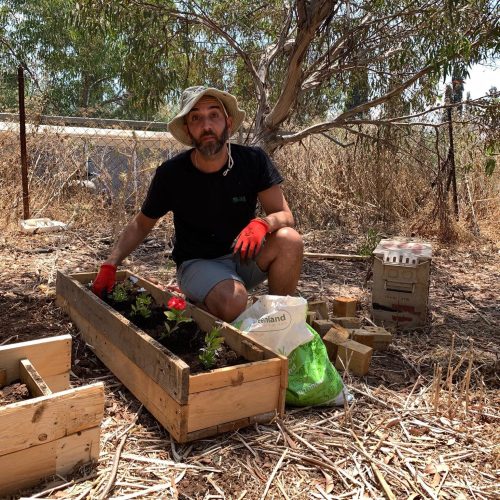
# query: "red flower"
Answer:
x=177 y=303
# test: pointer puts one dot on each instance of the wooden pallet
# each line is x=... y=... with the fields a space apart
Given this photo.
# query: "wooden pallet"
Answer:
x=55 y=431
x=188 y=406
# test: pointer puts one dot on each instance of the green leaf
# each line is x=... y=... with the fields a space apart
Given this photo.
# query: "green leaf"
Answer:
x=489 y=166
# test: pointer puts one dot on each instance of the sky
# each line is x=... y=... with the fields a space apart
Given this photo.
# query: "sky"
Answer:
x=481 y=79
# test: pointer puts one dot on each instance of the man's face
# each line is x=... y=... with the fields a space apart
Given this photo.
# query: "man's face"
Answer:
x=208 y=126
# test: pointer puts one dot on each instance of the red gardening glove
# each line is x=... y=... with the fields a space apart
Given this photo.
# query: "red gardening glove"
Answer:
x=105 y=279
x=251 y=238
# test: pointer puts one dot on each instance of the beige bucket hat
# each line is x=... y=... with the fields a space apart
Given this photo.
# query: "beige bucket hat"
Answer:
x=190 y=97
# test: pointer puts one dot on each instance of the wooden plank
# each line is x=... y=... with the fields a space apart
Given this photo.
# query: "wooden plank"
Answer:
x=234 y=403
x=336 y=256
x=237 y=341
x=165 y=368
x=344 y=306
x=3 y=377
x=51 y=356
x=160 y=404
x=263 y=418
x=27 y=467
x=38 y=421
x=283 y=385
x=234 y=375
x=34 y=382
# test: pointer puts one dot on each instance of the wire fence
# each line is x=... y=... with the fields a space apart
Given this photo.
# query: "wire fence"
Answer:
x=109 y=158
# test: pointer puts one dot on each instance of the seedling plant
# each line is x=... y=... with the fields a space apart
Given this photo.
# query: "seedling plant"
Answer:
x=142 y=306
x=176 y=315
x=213 y=342
x=121 y=291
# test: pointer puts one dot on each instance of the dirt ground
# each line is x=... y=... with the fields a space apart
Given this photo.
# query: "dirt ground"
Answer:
x=408 y=434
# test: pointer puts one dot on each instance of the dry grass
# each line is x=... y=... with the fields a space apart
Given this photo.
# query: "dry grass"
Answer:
x=424 y=423
x=391 y=185
x=425 y=420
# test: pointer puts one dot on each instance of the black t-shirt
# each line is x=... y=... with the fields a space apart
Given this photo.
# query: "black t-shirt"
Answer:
x=211 y=209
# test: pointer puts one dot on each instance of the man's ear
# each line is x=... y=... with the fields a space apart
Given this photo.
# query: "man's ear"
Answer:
x=186 y=129
x=229 y=122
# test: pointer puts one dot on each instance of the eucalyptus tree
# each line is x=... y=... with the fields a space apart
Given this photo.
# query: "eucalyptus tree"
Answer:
x=302 y=67
x=70 y=69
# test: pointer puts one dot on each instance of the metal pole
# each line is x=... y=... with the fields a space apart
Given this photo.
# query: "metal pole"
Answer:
x=22 y=140
x=451 y=157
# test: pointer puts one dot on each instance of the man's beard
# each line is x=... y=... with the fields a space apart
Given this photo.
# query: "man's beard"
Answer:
x=213 y=147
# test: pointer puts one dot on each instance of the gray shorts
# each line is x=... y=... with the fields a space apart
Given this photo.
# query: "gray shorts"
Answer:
x=197 y=277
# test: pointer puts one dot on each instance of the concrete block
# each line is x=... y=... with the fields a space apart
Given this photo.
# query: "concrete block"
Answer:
x=344 y=306
x=354 y=357
x=322 y=326
x=320 y=307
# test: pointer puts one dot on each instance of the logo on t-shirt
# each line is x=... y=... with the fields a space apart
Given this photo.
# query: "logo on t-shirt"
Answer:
x=239 y=199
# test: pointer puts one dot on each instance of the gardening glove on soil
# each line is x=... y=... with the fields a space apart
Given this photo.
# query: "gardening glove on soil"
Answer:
x=105 y=279
x=249 y=242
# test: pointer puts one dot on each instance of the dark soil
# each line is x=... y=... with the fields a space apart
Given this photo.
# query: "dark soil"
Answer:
x=13 y=393
x=185 y=342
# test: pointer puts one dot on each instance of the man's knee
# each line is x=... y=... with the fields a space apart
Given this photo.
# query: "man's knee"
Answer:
x=289 y=240
x=227 y=300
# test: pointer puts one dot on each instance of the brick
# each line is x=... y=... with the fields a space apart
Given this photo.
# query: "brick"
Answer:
x=332 y=339
x=322 y=326
x=348 y=322
x=311 y=316
x=354 y=357
x=344 y=306
x=320 y=307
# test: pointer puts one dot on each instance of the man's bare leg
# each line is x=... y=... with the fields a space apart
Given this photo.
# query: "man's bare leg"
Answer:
x=281 y=257
x=227 y=300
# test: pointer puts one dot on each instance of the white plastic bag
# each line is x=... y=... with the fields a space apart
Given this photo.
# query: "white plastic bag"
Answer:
x=278 y=322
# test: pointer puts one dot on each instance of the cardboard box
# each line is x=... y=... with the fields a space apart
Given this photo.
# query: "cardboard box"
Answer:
x=401 y=278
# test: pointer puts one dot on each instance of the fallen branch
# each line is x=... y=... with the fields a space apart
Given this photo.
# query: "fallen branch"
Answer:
x=116 y=460
x=336 y=256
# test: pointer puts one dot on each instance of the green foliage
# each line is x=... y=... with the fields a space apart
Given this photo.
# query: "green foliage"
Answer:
x=213 y=341
x=121 y=291
x=142 y=306
x=123 y=58
x=489 y=167
x=371 y=240
x=177 y=317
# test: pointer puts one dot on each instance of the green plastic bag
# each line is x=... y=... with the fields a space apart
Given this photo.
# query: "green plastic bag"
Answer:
x=279 y=322
x=312 y=379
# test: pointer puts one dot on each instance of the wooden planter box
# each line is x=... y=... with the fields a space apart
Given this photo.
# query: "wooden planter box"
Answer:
x=188 y=406
x=54 y=432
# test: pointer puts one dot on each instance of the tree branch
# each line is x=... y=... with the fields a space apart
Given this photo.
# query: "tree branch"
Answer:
x=311 y=16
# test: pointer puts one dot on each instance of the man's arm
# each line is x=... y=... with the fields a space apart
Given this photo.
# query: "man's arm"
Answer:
x=278 y=213
x=130 y=238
